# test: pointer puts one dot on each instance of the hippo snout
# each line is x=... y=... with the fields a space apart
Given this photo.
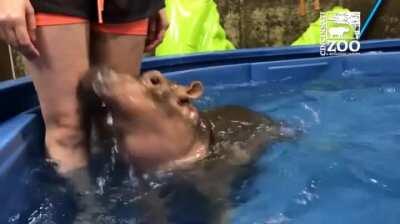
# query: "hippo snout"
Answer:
x=105 y=81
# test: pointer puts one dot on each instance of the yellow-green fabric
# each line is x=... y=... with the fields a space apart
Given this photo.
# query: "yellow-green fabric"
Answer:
x=194 y=27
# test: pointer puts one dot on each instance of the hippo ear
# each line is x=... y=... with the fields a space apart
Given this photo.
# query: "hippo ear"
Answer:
x=195 y=90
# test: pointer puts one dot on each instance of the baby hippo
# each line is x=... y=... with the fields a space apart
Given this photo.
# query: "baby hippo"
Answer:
x=158 y=130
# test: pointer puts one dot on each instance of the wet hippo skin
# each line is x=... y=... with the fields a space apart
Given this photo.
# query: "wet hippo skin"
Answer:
x=159 y=131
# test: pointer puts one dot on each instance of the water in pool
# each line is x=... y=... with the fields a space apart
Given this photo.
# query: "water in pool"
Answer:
x=342 y=169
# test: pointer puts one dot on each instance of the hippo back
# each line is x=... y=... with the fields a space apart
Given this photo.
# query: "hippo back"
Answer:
x=239 y=134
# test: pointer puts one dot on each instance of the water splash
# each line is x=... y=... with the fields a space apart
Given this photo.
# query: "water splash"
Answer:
x=14 y=218
x=110 y=119
x=279 y=219
x=289 y=132
x=349 y=73
x=313 y=112
x=43 y=215
x=308 y=194
x=101 y=181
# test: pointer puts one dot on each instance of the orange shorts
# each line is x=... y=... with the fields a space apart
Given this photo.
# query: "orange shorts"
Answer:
x=139 y=27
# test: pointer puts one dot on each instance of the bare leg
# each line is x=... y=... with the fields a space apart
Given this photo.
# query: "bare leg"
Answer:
x=123 y=53
x=64 y=58
x=317 y=5
x=302 y=8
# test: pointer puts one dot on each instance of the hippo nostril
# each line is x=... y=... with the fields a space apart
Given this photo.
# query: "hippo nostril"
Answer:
x=183 y=101
x=155 y=81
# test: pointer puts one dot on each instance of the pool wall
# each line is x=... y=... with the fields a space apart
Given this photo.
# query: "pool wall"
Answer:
x=21 y=126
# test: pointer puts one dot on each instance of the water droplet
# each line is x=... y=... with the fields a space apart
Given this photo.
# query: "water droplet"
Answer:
x=14 y=218
x=351 y=73
x=101 y=181
x=373 y=180
x=146 y=176
x=110 y=120
x=313 y=112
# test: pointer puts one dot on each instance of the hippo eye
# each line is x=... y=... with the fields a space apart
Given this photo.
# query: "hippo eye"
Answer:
x=183 y=101
x=155 y=81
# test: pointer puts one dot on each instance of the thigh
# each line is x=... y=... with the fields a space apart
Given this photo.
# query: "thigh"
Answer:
x=64 y=51
x=123 y=53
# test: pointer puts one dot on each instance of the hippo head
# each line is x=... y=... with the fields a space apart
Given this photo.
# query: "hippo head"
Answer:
x=154 y=118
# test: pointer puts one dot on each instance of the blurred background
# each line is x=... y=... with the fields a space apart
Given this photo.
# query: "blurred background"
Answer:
x=264 y=23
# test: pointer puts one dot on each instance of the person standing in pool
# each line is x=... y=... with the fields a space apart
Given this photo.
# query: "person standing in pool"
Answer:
x=60 y=39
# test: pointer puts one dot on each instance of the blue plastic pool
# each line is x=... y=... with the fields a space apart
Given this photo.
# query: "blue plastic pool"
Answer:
x=343 y=169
